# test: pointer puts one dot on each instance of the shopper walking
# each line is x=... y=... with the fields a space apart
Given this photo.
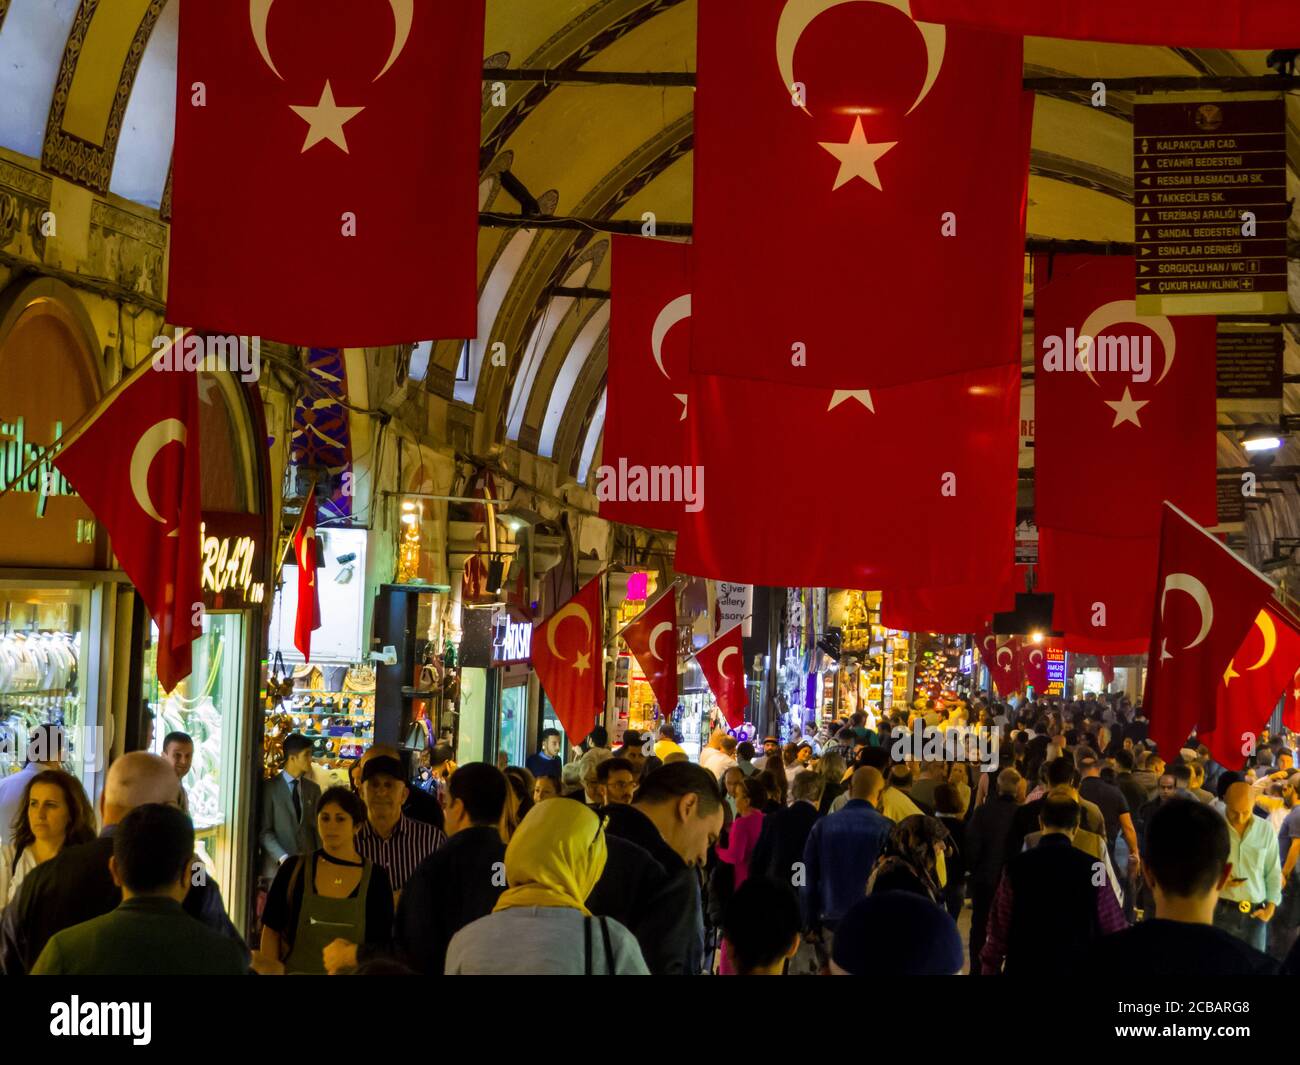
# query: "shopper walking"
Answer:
x=388 y=837
x=54 y=813
x=323 y=908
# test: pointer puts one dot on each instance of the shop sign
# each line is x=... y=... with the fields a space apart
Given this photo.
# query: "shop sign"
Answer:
x=732 y=605
x=17 y=452
x=513 y=642
x=1055 y=671
x=230 y=560
x=967 y=662
x=1248 y=369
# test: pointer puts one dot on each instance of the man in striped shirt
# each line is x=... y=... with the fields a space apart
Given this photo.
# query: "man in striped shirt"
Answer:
x=388 y=838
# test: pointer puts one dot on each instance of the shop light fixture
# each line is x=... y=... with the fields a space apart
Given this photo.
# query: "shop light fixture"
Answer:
x=1262 y=443
x=1036 y=636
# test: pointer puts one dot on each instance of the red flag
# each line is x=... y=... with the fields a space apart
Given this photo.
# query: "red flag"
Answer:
x=1291 y=711
x=652 y=638
x=1107 y=665
x=307 y=619
x=852 y=168
x=1141 y=390
x=1005 y=672
x=952 y=487
x=1185 y=23
x=1033 y=661
x=957 y=608
x=1257 y=676
x=1207 y=599
x=568 y=655
x=287 y=115
x=723 y=663
x=648 y=384
x=1102 y=588
x=135 y=463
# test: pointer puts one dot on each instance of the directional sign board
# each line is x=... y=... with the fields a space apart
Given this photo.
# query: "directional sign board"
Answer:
x=1209 y=201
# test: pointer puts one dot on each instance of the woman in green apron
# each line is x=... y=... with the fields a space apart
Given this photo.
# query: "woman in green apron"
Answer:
x=324 y=907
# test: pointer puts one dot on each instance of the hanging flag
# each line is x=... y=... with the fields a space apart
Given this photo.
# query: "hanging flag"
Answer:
x=1106 y=663
x=1257 y=676
x=1002 y=659
x=1291 y=710
x=1182 y=23
x=135 y=464
x=951 y=609
x=287 y=116
x=1033 y=662
x=1116 y=394
x=307 y=620
x=642 y=479
x=723 y=664
x=568 y=653
x=652 y=639
x=853 y=168
x=1207 y=598
x=951 y=486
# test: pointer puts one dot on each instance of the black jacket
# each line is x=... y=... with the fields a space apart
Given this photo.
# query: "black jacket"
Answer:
x=458 y=883
x=988 y=838
x=781 y=842
x=1053 y=909
x=671 y=928
x=75 y=886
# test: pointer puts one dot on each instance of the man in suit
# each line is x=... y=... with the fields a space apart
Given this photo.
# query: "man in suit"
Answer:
x=76 y=886
x=149 y=933
x=289 y=807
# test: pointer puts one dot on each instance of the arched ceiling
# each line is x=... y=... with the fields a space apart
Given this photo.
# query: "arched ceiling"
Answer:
x=87 y=88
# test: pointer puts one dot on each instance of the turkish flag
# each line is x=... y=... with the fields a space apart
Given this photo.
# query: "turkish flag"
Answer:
x=723 y=663
x=348 y=130
x=1257 y=676
x=135 y=464
x=1184 y=23
x=307 y=620
x=853 y=171
x=1005 y=673
x=647 y=384
x=1033 y=662
x=568 y=655
x=1291 y=710
x=645 y=638
x=1107 y=665
x=1107 y=433
x=951 y=488
x=959 y=608
x=1206 y=601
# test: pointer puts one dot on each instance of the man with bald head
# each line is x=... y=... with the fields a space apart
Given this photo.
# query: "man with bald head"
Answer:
x=76 y=885
x=1254 y=888
x=838 y=857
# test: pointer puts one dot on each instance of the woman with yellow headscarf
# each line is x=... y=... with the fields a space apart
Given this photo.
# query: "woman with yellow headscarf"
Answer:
x=541 y=925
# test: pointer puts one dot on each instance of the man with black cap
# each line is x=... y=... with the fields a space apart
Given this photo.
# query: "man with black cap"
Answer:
x=389 y=838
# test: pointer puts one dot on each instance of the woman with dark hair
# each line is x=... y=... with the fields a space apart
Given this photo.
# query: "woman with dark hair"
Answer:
x=774 y=786
x=519 y=799
x=915 y=858
x=325 y=908
x=54 y=813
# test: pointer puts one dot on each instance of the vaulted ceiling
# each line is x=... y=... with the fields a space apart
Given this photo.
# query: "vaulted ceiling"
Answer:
x=87 y=87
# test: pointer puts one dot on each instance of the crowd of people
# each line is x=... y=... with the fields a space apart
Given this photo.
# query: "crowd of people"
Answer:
x=1069 y=844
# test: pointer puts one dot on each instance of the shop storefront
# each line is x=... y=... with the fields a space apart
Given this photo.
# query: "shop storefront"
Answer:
x=61 y=648
x=875 y=671
x=219 y=704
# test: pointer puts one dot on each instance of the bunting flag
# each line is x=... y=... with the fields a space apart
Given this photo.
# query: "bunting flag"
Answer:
x=1207 y=600
x=1116 y=394
x=652 y=639
x=307 y=619
x=1002 y=658
x=1258 y=675
x=647 y=386
x=135 y=464
x=568 y=654
x=723 y=665
x=1181 y=23
x=287 y=115
x=952 y=489
x=851 y=165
